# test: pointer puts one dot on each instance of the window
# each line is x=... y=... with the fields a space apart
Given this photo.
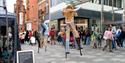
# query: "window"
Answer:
x=110 y=2
x=114 y=3
x=106 y=2
x=99 y=1
x=119 y=3
x=92 y=1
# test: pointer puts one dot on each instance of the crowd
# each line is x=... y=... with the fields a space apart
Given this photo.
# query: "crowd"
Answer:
x=114 y=37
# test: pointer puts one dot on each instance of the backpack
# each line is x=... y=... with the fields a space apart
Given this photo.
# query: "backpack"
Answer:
x=118 y=34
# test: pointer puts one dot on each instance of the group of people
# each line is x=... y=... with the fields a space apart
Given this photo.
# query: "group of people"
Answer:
x=112 y=35
x=29 y=37
x=80 y=35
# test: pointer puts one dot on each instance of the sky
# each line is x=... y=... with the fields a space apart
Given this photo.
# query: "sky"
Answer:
x=10 y=5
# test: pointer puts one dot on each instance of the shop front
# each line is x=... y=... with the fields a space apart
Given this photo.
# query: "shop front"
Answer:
x=79 y=22
x=89 y=14
x=9 y=44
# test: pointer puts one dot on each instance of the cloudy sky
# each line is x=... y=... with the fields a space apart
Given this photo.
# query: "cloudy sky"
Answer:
x=10 y=5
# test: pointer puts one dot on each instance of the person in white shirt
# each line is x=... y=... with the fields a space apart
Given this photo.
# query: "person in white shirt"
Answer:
x=32 y=40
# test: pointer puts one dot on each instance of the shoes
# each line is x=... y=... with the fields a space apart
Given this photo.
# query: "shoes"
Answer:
x=103 y=49
x=110 y=51
x=81 y=48
x=67 y=52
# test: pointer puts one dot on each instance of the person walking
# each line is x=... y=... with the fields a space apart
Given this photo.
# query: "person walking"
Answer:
x=26 y=37
x=108 y=37
x=88 y=35
x=52 y=34
x=122 y=37
x=37 y=37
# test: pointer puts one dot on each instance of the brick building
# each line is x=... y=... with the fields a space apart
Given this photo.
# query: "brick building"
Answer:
x=31 y=15
x=43 y=10
x=19 y=9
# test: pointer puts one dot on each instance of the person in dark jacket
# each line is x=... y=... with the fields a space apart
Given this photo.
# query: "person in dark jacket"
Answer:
x=122 y=37
x=88 y=35
x=26 y=37
x=37 y=37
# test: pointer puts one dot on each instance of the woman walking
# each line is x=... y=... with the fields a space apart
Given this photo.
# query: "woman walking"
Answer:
x=108 y=37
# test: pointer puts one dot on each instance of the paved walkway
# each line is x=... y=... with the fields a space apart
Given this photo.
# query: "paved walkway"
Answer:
x=55 y=54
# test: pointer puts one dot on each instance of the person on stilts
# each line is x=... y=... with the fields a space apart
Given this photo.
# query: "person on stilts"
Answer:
x=69 y=12
x=45 y=35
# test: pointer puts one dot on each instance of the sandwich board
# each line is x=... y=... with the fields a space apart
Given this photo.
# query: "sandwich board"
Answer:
x=26 y=56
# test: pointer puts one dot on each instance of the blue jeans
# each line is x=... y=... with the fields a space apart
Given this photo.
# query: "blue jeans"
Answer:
x=87 y=40
x=113 y=44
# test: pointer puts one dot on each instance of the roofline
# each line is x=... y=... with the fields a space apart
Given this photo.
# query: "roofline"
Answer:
x=9 y=16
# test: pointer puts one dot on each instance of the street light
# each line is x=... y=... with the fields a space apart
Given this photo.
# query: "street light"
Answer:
x=102 y=15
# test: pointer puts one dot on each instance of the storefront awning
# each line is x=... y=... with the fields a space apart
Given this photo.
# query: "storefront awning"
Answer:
x=10 y=15
x=87 y=10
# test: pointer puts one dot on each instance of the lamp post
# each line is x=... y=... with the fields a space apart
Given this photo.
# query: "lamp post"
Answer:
x=102 y=15
x=113 y=17
x=124 y=11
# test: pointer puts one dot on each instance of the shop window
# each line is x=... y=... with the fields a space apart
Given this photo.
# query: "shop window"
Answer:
x=3 y=30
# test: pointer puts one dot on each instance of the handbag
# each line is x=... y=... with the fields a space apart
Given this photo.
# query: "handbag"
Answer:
x=104 y=37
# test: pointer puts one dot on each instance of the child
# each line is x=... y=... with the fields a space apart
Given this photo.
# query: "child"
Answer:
x=93 y=39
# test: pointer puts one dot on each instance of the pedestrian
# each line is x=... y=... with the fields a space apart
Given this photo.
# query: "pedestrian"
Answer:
x=32 y=40
x=52 y=34
x=118 y=38
x=88 y=35
x=27 y=37
x=22 y=37
x=108 y=37
x=93 y=40
x=71 y=39
x=122 y=37
x=37 y=37
x=61 y=36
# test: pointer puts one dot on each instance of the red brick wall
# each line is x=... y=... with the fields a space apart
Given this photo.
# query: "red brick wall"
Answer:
x=33 y=13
